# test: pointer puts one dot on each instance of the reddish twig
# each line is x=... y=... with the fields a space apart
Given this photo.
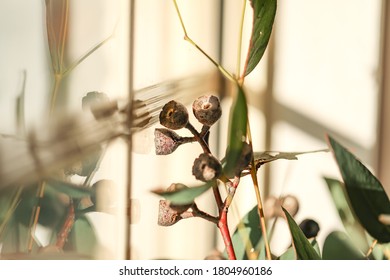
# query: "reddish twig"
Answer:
x=66 y=228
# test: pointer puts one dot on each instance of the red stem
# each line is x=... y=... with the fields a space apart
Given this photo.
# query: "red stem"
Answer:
x=224 y=229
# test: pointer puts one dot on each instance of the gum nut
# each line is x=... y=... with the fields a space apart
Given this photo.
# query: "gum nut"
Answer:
x=206 y=168
x=269 y=207
x=166 y=215
x=174 y=115
x=310 y=228
x=165 y=141
x=207 y=109
x=291 y=204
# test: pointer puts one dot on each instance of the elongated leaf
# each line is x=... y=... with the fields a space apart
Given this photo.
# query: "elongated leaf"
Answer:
x=303 y=248
x=247 y=234
x=352 y=227
x=237 y=131
x=72 y=190
x=183 y=196
x=267 y=156
x=263 y=18
x=82 y=237
x=289 y=254
x=365 y=192
x=338 y=246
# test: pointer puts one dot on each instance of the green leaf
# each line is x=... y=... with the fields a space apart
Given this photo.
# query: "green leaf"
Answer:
x=303 y=248
x=264 y=12
x=352 y=227
x=365 y=192
x=83 y=237
x=247 y=234
x=70 y=189
x=289 y=254
x=338 y=246
x=183 y=196
x=237 y=131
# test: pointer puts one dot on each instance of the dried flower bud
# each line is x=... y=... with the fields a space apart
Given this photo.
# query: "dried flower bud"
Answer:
x=174 y=115
x=310 y=228
x=206 y=168
x=166 y=215
x=207 y=109
x=166 y=141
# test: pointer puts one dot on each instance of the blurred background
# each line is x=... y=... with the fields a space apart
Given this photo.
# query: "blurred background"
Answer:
x=324 y=72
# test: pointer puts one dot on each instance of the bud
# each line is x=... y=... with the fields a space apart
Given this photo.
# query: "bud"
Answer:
x=174 y=115
x=273 y=206
x=310 y=228
x=207 y=109
x=166 y=215
x=165 y=141
x=206 y=168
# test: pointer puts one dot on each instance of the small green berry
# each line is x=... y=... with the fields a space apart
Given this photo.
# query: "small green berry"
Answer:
x=174 y=115
x=207 y=109
x=206 y=167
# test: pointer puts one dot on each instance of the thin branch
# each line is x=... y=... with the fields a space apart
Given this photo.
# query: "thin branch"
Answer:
x=238 y=69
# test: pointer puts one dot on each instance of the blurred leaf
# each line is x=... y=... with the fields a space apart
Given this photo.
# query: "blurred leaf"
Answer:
x=316 y=246
x=289 y=254
x=267 y=156
x=366 y=194
x=353 y=227
x=183 y=196
x=338 y=246
x=303 y=248
x=247 y=234
x=82 y=238
x=263 y=18
x=70 y=189
x=9 y=200
x=237 y=131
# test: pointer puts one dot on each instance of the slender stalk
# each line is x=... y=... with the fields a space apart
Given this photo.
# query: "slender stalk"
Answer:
x=188 y=39
x=35 y=216
x=198 y=138
x=239 y=49
x=373 y=244
x=224 y=229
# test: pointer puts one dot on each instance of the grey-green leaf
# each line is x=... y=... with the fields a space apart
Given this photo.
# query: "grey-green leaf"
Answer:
x=83 y=237
x=365 y=192
x=264 y=12
x=237 y=131
x=247 y=234
x=183 y=196
x=352 y=227
x=303 y=248
x=338 y=246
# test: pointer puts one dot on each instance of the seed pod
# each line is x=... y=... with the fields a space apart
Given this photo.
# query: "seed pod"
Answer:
x=206 y=168
x=310 y=228
x=165 y=141
x=207 y=109
x=174 y=115
x=273 y=206
x=166 y=215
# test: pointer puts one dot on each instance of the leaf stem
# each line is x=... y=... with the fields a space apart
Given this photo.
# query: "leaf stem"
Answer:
x=238 y=69
x=373 y=244
x=198 y=138
x=35 y=215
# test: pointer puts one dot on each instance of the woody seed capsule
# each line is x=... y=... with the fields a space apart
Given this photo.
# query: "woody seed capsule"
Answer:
x=207 y=109
x=174 y=115
x=165 y=141
x=206 y=168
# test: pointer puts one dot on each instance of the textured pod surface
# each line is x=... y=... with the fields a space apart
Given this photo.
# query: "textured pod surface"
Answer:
x=206 y=168
x=165 y=141
x=207 y=109
x=166 y=215
x=174 y=115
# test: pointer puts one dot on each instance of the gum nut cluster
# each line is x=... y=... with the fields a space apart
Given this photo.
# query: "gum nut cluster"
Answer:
x=174 y=115
x=207 y=109
x=165 y=141
x=206 y=168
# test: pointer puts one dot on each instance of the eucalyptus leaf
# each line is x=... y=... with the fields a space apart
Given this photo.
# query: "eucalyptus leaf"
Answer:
x=237 y=131
x=354 y=229
x=338 y=246
x=70 y=189
x=269 y=156
x=289 y=254
x=303 y=248
x=183 y=196
x=82 y=238
x=264 y=12
x=365 y=192
x=247 y=234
